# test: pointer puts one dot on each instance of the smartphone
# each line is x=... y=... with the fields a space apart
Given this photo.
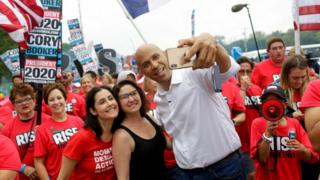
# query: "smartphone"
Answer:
x=175 y=58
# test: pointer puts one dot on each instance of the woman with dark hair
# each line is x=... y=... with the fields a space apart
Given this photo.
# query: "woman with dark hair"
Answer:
x=294 y=79
x=95 y=161
x=138 y=142
x=53 y=135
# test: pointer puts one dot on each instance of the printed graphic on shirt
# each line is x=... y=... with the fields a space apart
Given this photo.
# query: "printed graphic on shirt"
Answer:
x=252 y=100
x=275 y=77
x=69 y=107
x=279 y=148
x=103 y=160
x=24 y=138
x=61 y=137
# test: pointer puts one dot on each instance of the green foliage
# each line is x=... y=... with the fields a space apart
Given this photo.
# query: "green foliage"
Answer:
x=306 y=37
x=6 y=43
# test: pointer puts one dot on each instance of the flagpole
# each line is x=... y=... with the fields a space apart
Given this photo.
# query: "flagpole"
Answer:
x=297 y=31
x=81 y=23
x=193 y=23
x=131 y=20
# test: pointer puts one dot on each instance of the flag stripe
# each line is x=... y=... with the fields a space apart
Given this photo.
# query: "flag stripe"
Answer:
x=312 y=18
x=310 y=27
x=307 y=2
x=18 y=17
x=309 y=10
x=35 y=14
x=139 y=7
x=154 y=4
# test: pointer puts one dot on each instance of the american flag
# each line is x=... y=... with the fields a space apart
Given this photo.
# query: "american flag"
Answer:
x=306 y=14
x=18 y=17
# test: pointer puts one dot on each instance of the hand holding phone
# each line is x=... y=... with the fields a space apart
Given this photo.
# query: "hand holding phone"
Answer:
x=176 y=58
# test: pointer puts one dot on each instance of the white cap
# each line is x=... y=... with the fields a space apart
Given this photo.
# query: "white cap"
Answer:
x=123 y=75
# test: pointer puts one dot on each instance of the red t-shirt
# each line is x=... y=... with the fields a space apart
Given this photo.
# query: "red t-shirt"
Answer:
x=51 y=138
x=231 y=94
x=95 y=161
x=5 y=115
x=311 y=96
x=20 y=132
x=265 y=73
x=287 y=165
x=75 y=106
x=9 y=156
x=252 y=103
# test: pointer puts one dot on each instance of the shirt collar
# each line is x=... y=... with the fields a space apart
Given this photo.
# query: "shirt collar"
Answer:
x=176 y=78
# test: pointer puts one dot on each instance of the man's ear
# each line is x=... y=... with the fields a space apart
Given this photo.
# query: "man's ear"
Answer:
x=92 y=111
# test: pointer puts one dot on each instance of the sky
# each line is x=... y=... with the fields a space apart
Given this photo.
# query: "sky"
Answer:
x=104 y=21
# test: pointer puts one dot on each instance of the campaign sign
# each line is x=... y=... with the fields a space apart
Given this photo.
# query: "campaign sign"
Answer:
x=44 y=46
x=79 y=48
x=11 y=59
x=6 y=60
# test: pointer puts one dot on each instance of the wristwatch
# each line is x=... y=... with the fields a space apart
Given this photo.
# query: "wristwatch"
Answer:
x=268 y=139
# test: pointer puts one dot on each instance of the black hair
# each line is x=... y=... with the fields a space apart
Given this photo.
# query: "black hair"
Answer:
x=244 y=59
x=121 y=116
x=92 y=121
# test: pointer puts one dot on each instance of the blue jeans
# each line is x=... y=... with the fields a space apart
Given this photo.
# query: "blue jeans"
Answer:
x=230 y=168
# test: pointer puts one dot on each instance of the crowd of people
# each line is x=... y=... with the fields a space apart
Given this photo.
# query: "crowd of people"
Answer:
x=261 y=123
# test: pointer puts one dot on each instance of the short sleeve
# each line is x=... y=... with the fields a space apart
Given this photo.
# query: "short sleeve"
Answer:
x=9 y=156
x=40 y=148
x=255 y=76
x=311 y=96
x=75 y=147
x=257 y=129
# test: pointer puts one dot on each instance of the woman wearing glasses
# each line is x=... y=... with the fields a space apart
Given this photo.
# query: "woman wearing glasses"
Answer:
x=53 y=136
x=138 y=143
x=21 y=128
x=95 y=161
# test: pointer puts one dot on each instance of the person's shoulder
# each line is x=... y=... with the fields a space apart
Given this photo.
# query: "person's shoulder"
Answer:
x=259 y=120
x=293 y=121
x=255 y=87
x=85 y=134
x=121 y=135
x=75 y=96
x=263 y=63
x=315 y=84
x=4 y=138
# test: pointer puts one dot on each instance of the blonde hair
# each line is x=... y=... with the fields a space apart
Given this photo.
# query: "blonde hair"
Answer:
x=295 y=61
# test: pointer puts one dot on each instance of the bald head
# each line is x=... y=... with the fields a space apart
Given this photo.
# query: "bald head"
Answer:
x=145 y=49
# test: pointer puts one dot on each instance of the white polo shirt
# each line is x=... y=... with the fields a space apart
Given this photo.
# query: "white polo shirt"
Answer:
x=197 y=117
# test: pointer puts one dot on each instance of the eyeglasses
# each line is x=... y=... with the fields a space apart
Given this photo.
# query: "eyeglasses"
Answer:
x=21 y=101
x=248 y=71
x=127 y=95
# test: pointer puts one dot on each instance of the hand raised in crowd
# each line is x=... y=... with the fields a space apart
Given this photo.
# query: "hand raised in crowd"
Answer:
x=298 y=115
x=271 y=127
x=295 y=145
x=31 y=173
x=245 y=82
x=204 y=46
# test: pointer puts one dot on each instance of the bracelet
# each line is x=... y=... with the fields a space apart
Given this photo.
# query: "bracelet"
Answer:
x=22 y=168
x=268 y=139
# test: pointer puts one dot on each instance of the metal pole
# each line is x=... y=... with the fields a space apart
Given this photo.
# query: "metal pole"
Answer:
x=254 y=34
x=131 y=20
x=192 y=23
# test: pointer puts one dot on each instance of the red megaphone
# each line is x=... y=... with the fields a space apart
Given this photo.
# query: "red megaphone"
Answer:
x=272 y=109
